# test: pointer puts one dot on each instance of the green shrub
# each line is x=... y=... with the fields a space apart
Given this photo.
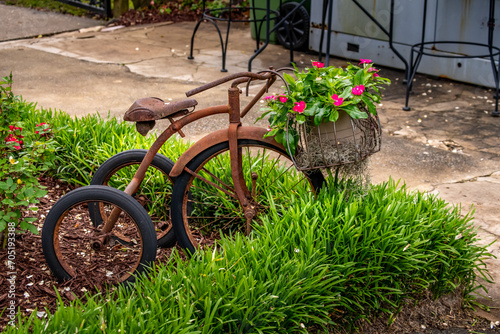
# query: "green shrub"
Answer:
x=26 y=152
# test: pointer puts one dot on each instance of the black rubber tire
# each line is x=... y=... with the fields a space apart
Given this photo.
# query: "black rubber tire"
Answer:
x=127 y=203
x=182 y=194
x=298 y=24
x=166 y=237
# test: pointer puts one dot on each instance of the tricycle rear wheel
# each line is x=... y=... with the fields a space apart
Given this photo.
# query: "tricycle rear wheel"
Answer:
x=74 y=247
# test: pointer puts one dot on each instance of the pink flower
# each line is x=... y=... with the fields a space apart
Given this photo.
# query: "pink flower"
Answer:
x=337 y=100
x=371 y=69
x=318 y=64
x=270 y=97
x=358 y=90
x=365 y=61
x=283 y=99
x=299 y=107
x=376 y=75
x=269 y=129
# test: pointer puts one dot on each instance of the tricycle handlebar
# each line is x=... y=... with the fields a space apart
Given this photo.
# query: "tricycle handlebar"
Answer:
x=246 y=75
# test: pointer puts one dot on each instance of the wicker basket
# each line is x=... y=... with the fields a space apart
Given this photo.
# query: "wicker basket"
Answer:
x=332 y=144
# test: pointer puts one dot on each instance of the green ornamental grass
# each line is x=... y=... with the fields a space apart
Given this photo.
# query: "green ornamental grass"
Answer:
x=320 y=264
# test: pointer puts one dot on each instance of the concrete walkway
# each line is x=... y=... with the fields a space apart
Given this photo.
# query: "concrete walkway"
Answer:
x=448 y=144
x=18 y=22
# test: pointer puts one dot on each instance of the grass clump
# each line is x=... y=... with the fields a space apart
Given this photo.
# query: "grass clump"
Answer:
x=51 y=5
x=323 y=264
x=85 y=143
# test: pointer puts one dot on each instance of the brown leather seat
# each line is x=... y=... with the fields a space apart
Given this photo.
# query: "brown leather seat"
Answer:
x=152 y=109
x=145 y=112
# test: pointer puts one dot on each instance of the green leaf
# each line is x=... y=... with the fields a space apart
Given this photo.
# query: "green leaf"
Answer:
x=334 y=116
x=8 y=201
x=301 y=118
x=40 y=193
x=290 y=144
x=318 y=118
x=279 y=136
x=369 y=104
x=359 y=78
x=346 y=93
x=289 y=78
x=354 y=111
x=3 y=225
x=27 y=226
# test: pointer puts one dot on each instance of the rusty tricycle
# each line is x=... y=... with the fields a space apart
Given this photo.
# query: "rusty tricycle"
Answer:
x=223 y=182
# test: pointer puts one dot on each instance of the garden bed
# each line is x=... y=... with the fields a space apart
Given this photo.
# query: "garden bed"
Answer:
x=35 y=285
x=36 y=288
x=351 y=259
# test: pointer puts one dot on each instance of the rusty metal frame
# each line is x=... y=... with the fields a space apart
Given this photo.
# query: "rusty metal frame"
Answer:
x=232 y=134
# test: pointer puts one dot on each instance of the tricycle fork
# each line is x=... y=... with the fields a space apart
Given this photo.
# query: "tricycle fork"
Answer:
x=244 y=196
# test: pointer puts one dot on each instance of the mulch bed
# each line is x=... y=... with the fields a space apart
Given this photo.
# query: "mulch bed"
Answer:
x=172 y=11
x=35 y=285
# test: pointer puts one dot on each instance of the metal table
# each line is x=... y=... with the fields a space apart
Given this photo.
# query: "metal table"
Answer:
x=420 y=49
x=213 y=16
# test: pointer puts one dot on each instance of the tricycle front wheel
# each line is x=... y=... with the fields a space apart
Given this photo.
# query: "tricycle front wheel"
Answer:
x=204 y=197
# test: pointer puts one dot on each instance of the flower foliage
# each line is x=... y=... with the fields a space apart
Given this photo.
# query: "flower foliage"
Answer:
x=24 y=155
x=318 y=93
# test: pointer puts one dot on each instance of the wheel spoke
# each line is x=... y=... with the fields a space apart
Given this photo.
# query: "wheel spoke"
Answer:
x=207 y=204
x=75 y=248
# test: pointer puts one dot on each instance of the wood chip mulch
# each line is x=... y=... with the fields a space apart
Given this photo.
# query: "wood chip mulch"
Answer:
x=35 y=285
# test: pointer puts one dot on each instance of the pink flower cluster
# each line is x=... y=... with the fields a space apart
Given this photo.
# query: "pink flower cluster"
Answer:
x=318 y=64
x=14 y=139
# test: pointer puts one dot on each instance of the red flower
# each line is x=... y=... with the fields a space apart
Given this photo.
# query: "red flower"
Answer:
x=365 y=61
x=11 y=140
x=283 y=99
x=318 y=64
